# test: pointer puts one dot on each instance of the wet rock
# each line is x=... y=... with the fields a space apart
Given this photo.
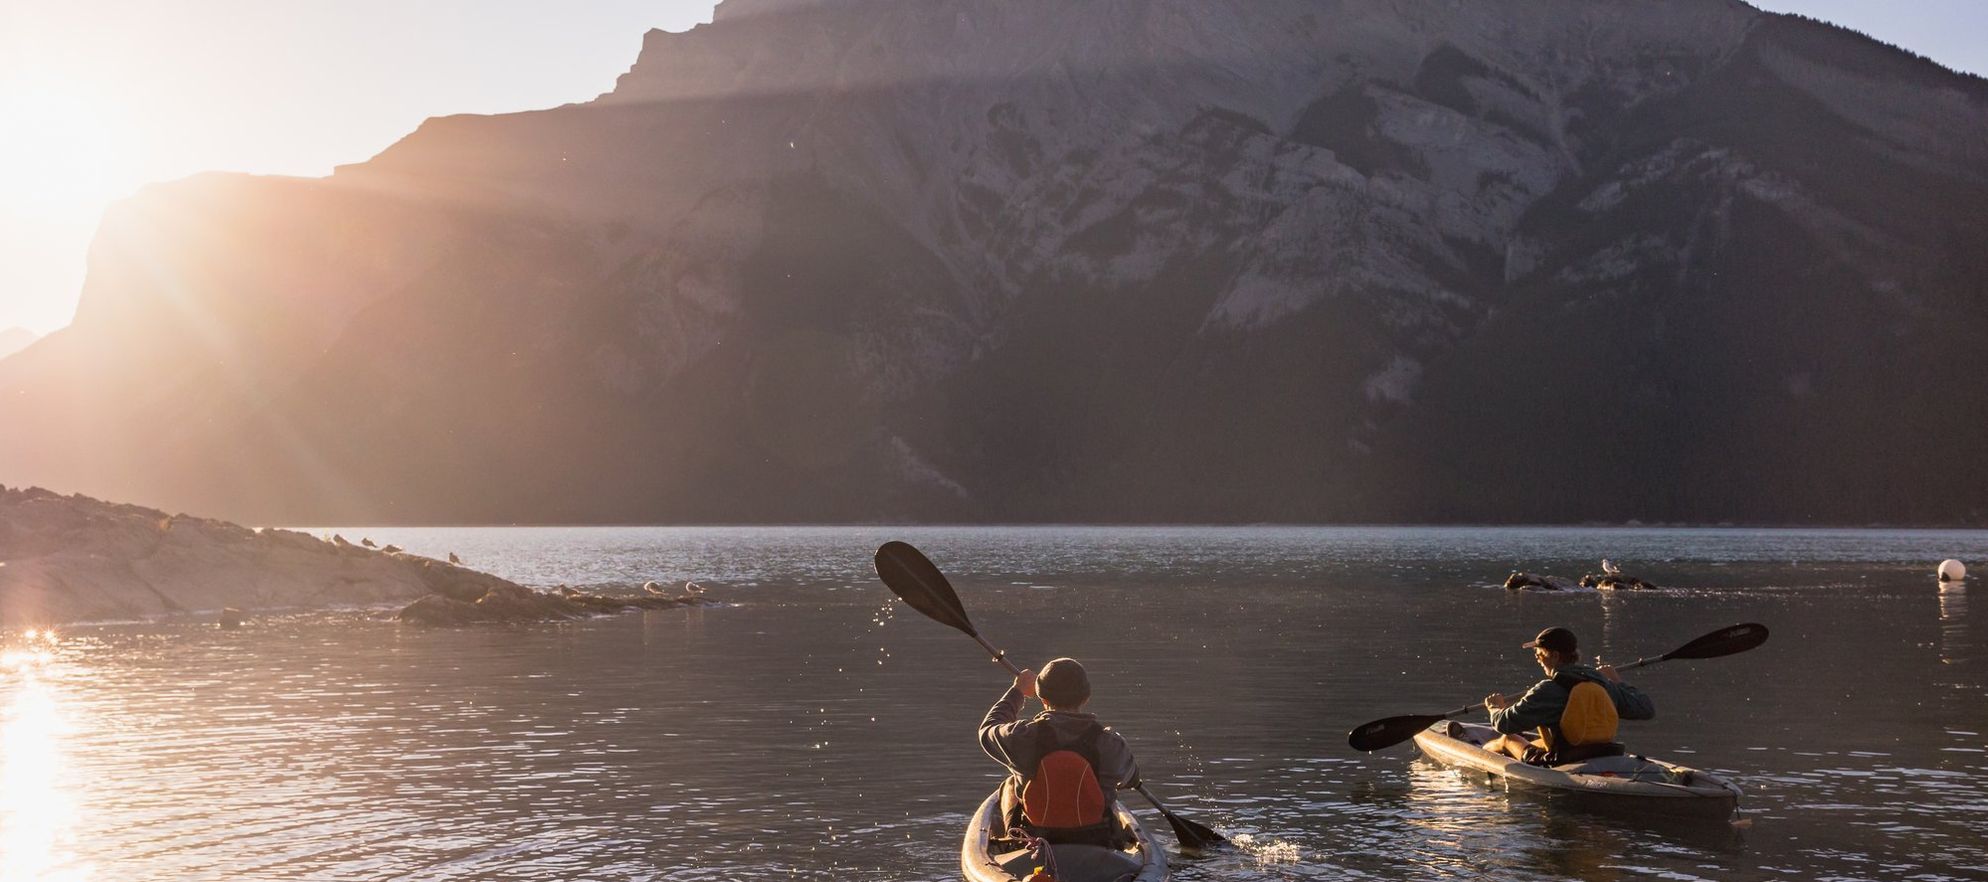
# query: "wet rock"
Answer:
x=1615 y=582
x=514 y=604
x=438 y=610
x=1534 y=582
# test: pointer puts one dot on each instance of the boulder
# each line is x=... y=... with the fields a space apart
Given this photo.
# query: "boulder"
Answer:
x=1615 y=582
x=1534 y=582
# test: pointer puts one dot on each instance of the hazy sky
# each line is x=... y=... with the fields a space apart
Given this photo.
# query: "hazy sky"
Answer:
x=100 y=96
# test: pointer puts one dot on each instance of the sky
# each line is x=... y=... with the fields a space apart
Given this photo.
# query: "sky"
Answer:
x=98 y=97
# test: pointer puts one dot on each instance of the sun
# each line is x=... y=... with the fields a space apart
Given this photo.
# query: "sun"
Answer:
x=62 y=156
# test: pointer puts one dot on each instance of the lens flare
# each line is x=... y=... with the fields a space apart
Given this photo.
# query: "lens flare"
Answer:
x=38 y=813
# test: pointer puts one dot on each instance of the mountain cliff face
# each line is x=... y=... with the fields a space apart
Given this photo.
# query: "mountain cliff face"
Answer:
x=1185 y=260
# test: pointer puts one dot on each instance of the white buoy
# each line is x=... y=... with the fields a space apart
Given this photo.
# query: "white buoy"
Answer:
x=1952 y=570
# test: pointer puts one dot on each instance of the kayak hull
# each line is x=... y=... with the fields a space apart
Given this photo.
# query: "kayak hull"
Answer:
x=1620 y=783
x=982 y=857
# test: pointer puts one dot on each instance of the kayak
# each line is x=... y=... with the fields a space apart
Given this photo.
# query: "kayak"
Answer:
x=1613 y=782
x=985 y=856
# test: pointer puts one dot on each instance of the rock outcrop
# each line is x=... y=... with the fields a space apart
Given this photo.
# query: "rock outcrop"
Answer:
x=1113 y=260
x=72 y=558
x=514 y=604
x=1518 y=581
x=1616 y=582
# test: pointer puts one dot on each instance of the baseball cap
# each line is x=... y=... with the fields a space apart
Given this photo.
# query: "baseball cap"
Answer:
x=1559 y=640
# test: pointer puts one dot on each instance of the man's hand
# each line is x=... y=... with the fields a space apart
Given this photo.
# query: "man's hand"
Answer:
x=1608 y=671
x=1025 y=681
x=1496 y=701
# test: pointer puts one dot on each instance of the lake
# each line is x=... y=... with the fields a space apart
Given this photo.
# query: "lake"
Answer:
x=811 y=727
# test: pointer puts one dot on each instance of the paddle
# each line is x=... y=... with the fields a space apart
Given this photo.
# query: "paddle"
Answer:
x=915 y=579
x=1389 y=732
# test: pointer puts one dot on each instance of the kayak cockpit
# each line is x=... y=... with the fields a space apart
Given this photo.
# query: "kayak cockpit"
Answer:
x=987 y=856
x=1622 y=780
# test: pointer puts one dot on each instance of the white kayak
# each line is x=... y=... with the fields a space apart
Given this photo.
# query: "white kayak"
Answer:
x=985 y=856
x=1614 y=782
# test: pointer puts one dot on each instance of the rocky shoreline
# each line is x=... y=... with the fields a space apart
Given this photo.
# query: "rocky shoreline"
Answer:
x=73 y=559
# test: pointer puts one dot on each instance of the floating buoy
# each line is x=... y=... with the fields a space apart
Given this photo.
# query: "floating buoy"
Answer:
x=1952 y=570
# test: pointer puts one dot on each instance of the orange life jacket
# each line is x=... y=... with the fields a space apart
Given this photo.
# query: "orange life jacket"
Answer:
x=1064 y=793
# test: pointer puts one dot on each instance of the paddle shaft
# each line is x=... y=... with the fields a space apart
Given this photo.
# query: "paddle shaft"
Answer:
x=1385 y=733
x=1628 y=667
x=1189 y=833
x=913 y=577
x=998 y=654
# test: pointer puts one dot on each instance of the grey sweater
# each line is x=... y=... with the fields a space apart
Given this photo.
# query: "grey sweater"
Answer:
x=1011 y=742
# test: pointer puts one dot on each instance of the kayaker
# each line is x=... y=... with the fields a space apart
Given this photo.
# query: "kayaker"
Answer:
x=1575 y=721
x=1065 y=768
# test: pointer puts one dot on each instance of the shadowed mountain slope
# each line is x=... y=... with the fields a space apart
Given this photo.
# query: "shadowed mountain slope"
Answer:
x=1125 y=260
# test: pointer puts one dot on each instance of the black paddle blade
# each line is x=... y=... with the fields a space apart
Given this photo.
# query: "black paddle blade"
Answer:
x=1725 y=641
x=1382 y=734
x=909 y=575
x=1193 y=836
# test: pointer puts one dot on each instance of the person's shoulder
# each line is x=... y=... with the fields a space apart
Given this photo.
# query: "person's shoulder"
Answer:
x=1109 y=735
x=1583 y=672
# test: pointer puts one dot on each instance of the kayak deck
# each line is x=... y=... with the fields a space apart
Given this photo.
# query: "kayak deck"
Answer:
x=1618 y=781
x=985 y=857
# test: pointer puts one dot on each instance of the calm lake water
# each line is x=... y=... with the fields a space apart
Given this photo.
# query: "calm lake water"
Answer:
x=812 y=728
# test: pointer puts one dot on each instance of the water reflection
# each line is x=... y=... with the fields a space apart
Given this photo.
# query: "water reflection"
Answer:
x=805 y=734
x=37 y=812
x=1953 y=623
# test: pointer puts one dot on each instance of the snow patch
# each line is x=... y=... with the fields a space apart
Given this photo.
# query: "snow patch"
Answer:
x=918 y=471
x=1395 y=383
x=1619 y=261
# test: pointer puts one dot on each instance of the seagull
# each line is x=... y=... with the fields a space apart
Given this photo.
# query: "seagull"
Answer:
x=692 y=589
x=1610 y=568
x=454 y=559
x=393 y=549
x=367 y=542
x=653 y=589
x=338 y=540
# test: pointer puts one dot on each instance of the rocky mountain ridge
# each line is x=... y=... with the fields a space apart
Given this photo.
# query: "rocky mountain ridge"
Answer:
x=1125 y=260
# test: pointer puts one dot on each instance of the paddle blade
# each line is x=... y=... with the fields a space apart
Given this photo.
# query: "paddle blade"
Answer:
x=1382 y=734
x=1725 y=641
x=1193 y=836
x=909 y=575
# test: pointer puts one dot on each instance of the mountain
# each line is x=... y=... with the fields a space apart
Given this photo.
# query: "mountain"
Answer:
x=1121 y=260
x=13 y=340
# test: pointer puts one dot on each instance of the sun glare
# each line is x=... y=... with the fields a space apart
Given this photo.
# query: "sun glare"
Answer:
x=38 y=813
x=61 y=154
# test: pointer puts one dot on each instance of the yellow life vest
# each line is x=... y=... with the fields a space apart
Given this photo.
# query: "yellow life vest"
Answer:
x=1590 y=717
